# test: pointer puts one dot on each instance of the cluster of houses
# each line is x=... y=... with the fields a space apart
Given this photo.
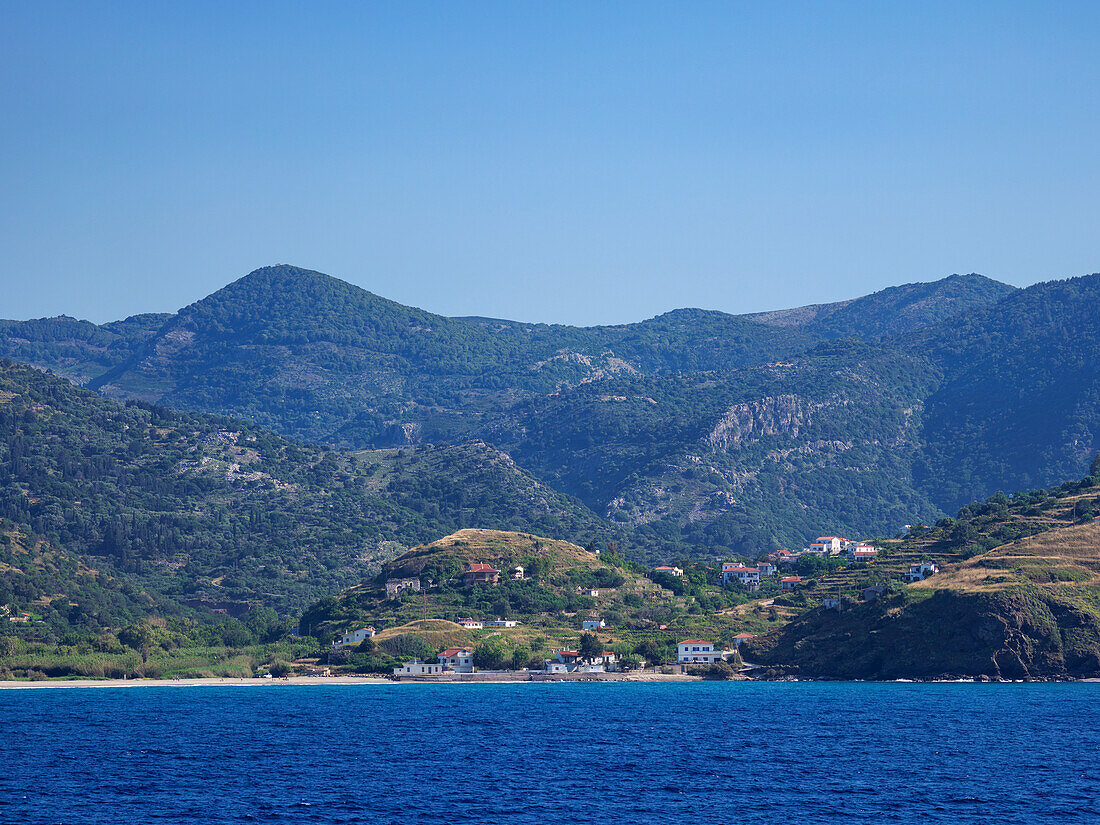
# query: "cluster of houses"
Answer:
x=859 y=552
x=474 y=573
x=461 y=659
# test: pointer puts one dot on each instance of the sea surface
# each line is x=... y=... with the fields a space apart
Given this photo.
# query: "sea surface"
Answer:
x=804 y=752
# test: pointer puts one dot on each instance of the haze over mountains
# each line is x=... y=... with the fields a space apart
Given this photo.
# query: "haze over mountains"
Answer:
x=695 y=431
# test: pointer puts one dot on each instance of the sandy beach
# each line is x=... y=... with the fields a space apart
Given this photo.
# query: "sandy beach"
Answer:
x=486 y=678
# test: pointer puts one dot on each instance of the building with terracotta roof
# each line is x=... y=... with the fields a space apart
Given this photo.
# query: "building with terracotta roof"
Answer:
x=790 y=582
x=480 y=574
x=458 y=659
x=471 y=624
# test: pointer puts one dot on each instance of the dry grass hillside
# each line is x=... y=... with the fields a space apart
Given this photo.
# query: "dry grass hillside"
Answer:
x=497 y=547
x=1056 y=558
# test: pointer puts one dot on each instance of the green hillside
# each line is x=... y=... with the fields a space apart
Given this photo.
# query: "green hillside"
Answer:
x=204 y=509
x=1017 y=595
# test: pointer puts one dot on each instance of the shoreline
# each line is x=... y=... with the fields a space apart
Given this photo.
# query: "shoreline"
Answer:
x=493 y=679
x=68 y=684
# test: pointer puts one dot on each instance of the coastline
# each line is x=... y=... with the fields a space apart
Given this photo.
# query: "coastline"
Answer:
x=493 y=678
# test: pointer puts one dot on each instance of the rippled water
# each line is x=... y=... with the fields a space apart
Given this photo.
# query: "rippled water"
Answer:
x=527 y=753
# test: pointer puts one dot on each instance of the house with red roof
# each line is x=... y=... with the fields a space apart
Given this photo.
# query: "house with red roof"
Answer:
x=790 y=582
x=471 y=624
x=480 y=574
x=696 y=651
x=458 y=659
x=672 y=571
x=742 y=637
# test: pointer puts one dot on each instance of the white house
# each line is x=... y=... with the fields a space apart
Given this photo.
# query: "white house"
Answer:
x=919 y=572
x=418 y=669
x=766 y=568
x=353 y=637
x=470 y=624
x=593 y=624
x=458 y=659
x=829 y=545
x=672 y=571
x=502 y=623
x=517 y=573
x=696 y=651
x=748 y=576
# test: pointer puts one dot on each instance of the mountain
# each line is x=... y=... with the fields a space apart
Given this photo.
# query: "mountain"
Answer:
x=892 y=311
x=1019 y=403
x=218 y=512
x=695 y=431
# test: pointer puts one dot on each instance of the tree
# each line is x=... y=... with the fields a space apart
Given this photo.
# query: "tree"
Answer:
x=590 y=645
x=1094 y=468
x=521 y=656
x=489 y=655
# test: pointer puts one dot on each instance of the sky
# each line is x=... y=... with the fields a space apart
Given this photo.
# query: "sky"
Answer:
x=560 y=162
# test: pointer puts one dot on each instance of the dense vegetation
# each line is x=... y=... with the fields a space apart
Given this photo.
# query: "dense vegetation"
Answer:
x=219 y=512
x=695 y=432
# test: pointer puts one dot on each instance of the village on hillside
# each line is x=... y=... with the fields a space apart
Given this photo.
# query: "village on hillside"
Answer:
x=776 y=574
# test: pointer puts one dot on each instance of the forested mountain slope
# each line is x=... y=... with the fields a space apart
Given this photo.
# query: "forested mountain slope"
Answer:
x=704 y=431
x=202 y=508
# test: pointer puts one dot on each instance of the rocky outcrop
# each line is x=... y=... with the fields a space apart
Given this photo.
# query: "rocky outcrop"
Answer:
x=785 y=415
x=1017 y=633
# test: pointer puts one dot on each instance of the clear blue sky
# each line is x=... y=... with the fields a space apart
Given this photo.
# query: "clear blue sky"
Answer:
x=570 y=162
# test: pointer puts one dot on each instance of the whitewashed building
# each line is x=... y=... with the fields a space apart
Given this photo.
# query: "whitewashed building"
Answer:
x=919 y=572
x=593 y=624
x=696 y=651
x=419 y=669
x=354 y=637
x=471 y=624
x=458 y=659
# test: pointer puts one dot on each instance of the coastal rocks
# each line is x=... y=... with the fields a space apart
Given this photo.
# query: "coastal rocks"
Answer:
x=1017 y=633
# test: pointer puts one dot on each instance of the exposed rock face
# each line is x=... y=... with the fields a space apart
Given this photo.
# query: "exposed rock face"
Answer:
x=773 y=415
x=1016 y=633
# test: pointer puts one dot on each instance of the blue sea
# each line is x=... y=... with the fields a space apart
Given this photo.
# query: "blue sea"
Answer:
x=750 y=752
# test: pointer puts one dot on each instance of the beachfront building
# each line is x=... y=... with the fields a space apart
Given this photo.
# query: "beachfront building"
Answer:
x=696 y=651
x=458 y=659
x=416 y=668
x=354 y=637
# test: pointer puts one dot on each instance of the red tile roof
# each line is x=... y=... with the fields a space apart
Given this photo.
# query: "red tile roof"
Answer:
x=694 y=642
x=481 y=568
x=745 y=636
x=453 y=651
